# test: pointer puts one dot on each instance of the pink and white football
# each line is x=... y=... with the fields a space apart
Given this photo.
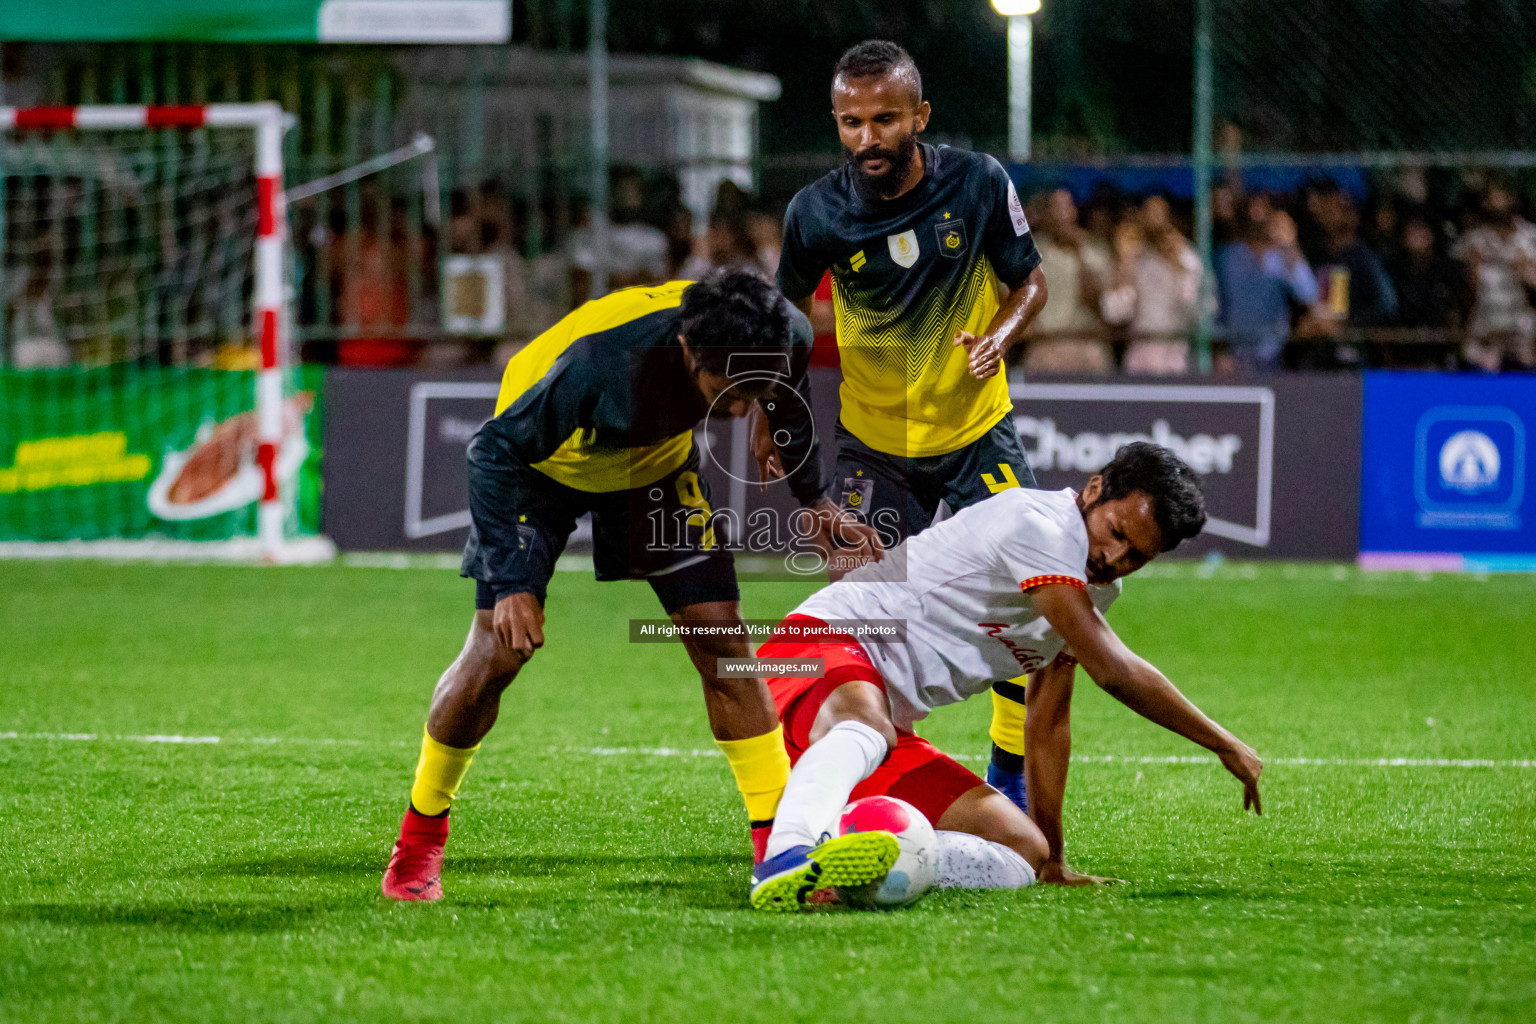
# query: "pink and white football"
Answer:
x=916 y=867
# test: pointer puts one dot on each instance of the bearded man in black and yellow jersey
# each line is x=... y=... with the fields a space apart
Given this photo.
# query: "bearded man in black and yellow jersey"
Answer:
x=921 y=242
x=597 y=415
x=935 y=276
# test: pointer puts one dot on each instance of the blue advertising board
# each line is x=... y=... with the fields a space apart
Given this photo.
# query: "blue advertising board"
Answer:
x=1446 y=474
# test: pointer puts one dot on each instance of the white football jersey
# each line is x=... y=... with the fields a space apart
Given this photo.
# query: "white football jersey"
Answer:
x=962 y=587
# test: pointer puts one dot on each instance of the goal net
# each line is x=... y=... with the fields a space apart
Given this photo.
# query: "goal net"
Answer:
x=147 y=402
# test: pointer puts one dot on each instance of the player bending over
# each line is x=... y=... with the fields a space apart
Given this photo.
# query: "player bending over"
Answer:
x=597 y=415
x=1011 y=583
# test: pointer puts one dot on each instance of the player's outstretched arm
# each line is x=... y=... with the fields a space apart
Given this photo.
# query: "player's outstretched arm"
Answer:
x=784 y=434
x=765 y=453
x=785 y=418
x=1139 y=686
x=1047 y=752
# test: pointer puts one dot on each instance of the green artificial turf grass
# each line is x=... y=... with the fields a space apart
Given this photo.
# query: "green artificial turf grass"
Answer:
x=237 y=881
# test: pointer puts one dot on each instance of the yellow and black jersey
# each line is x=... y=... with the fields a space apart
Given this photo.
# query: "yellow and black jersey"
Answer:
x=909 y=274
x=577 y=381
x=603 y=401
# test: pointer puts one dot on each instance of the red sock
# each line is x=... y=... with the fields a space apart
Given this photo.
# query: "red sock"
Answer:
x=421 y=828
x=760 y=833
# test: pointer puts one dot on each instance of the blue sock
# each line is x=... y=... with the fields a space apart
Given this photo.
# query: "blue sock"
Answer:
x=1006 y=775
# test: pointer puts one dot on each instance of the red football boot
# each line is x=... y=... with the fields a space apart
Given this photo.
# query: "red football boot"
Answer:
x=416 y=866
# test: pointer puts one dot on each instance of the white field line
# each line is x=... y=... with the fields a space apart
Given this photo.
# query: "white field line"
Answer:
x=695 y=752
x=1307 y=762
x=94 y=737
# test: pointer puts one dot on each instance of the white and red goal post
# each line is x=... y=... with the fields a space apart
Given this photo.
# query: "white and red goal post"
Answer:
x=266 y=122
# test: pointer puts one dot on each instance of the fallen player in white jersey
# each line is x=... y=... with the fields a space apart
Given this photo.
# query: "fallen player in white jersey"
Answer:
x=1017 y=582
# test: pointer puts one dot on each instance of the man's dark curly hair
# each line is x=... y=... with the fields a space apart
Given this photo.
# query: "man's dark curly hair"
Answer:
x=1178 y=502
x=732 y=310
x=879 y=57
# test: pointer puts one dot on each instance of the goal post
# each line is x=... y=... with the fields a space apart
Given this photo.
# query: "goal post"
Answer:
x=144 y=293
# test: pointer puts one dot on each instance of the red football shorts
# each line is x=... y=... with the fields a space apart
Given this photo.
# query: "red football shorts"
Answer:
x=916 y=771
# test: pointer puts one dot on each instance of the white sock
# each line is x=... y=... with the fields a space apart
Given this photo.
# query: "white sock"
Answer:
x=820 y=783
x=971 y=862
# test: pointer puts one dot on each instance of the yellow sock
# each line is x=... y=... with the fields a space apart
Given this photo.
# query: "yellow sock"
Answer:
x=761 y=767
x=438 y=774
x=1008 y=716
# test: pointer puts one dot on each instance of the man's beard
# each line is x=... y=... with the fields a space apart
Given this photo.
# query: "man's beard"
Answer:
x=888 y=184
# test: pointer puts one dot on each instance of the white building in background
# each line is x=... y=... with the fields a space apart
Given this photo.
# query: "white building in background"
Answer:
x=690 y=116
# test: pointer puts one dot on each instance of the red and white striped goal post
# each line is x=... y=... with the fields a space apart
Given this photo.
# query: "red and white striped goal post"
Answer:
x=267 y=121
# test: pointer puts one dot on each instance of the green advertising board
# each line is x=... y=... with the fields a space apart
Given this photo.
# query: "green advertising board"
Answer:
x=139 y=453
x=258 y=21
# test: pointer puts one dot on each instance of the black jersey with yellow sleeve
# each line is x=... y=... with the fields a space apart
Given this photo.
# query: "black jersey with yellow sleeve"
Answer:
x=567 y=398
x=908 y=274
x=604 y=401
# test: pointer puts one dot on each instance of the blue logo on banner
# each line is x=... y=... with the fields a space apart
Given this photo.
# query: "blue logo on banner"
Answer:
x=1469 y=468
x=1447 y=464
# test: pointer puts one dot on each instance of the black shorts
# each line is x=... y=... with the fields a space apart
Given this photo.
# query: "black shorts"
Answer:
x=900 y=496
x=662 y=533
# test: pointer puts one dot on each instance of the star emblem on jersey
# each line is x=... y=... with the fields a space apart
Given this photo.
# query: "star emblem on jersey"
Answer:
x=903 y=248
x=951 y=234
x=856 y=261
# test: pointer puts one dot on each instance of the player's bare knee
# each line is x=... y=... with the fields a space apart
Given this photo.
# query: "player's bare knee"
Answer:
x=1014 y=829
x=985 y=812
x=484 y=668
x=706 y=659
x=706 y=654
x=471 y=680
x=856 y=701
x=712 y=629
x=486 y=656
x=1030 y=844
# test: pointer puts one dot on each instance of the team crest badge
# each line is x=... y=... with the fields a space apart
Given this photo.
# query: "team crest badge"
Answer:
x=856 y=493
x=903 y=248
x=526 y=538
x=951 y=238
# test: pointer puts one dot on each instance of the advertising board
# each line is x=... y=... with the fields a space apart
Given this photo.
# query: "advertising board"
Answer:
x=1446 y=482
x=1280 y=458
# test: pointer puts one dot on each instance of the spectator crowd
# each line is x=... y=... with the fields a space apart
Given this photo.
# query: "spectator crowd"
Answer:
x=651 y=237
x=1319 y=276
x=1303 y=279
x=1322 y=275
